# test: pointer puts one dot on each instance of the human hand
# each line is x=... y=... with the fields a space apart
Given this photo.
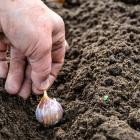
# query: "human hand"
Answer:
x=36 y=37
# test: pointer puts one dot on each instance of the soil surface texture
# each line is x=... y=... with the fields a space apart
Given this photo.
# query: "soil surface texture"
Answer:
x=99 y=84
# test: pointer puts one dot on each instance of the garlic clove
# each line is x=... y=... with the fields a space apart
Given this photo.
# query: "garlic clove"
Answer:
x=49 y=111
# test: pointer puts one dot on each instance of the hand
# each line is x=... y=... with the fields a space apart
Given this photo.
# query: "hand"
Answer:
x=36 y=37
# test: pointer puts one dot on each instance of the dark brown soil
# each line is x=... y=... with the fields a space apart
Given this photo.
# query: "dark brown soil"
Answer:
x=104 y=59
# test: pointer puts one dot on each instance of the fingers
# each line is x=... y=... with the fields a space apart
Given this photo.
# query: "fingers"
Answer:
x=16 y=72
x=40 y=60
x=58 y=53
x=25 y=90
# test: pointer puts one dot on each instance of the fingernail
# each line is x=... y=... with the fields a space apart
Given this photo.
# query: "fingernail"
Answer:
x=24 y=98
x=45 y=85
x=23 y=95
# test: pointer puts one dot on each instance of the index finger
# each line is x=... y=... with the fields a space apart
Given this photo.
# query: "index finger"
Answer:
x=58 y=54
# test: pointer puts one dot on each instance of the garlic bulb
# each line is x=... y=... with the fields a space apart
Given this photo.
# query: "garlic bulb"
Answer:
x=49 y=111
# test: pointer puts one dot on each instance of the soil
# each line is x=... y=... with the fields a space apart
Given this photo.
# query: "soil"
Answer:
x=99 y=84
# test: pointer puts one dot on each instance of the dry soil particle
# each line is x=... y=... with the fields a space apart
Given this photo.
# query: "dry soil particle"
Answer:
x=118 y=130
x=103 y=59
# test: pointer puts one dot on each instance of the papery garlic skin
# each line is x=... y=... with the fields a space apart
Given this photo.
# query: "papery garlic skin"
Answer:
x=49 y=111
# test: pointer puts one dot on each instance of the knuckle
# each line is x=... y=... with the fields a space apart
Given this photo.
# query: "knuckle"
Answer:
x=61 y=21
x=58 y=22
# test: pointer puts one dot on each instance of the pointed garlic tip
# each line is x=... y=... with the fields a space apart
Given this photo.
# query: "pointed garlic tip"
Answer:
x=45 y=95
x=49 y=111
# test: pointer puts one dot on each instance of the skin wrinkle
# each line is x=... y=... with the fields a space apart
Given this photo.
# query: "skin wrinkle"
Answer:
x=36 y=68
x=31 y=50
x=35 y=52
x=57 y=69
x=47 y=70
x=17 y=59
x=58 y=58
x=57 y=45
x=53 y=75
